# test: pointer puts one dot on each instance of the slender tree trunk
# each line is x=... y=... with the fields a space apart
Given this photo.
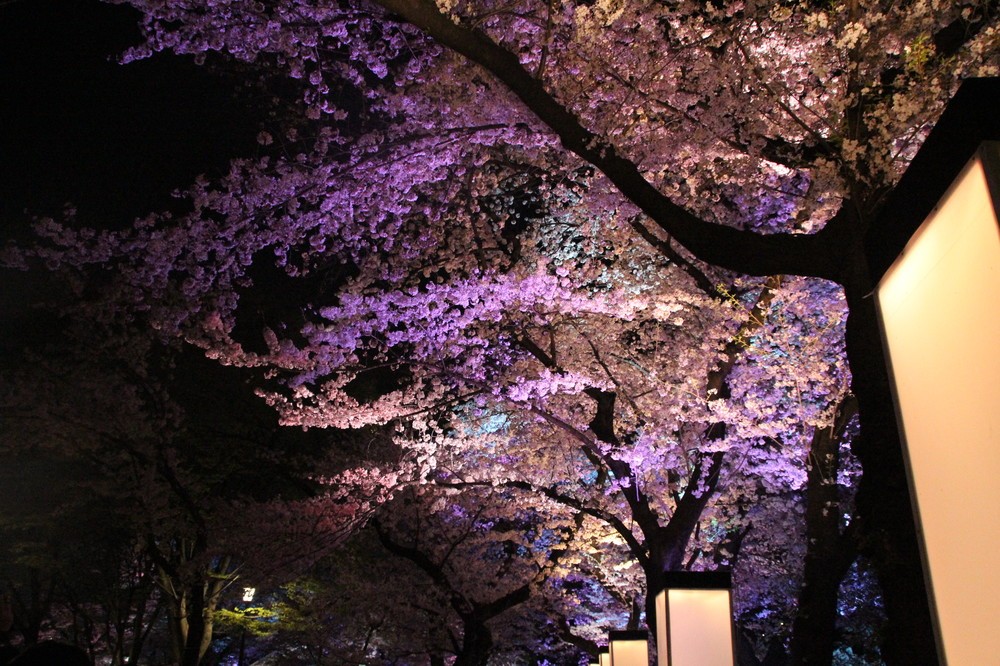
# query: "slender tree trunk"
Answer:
x=178 y=626
x=142 y=625
x=191 y=635
x=199 y=634
x=828 y=553
x=31 y=609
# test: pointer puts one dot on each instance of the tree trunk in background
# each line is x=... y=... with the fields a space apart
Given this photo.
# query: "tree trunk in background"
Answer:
x=828 y=553
x=477 y=643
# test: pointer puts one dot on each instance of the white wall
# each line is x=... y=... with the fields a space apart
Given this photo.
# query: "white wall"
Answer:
x=940 y=309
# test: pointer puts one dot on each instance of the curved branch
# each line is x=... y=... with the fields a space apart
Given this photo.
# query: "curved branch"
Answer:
x=635 y=546
x=484 y=612
x=743 y=251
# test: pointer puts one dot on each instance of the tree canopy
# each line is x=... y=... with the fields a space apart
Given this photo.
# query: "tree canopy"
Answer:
x=605 y=258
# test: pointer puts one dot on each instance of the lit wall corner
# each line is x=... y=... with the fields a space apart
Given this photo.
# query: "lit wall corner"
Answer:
x=939 y=309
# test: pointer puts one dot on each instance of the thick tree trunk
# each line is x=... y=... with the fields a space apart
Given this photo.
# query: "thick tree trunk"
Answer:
x=668 y=543
x=477 y=643
x=885 y=516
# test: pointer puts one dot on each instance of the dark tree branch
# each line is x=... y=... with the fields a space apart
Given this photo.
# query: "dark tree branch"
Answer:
x=716 y=387
x=587 y=646
x=949 y=39
x=743 y=251
x=670 y=541
x=484 y=612
x=613 y=521
x=666 y=249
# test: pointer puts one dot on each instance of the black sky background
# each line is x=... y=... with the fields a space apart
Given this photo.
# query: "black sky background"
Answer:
x=112 y=140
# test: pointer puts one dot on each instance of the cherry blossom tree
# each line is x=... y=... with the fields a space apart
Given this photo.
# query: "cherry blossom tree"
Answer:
x=438 y=577
x=485 y=554
x=488 y=209
x=672 y=474
x=200 y=489
x=628 y=338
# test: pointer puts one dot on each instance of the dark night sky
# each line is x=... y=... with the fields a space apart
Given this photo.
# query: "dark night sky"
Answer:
x=115 y=140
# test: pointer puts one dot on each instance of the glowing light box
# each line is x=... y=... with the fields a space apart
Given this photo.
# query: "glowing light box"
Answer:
x=694 y=619
x=939 y=305
x=629 y=648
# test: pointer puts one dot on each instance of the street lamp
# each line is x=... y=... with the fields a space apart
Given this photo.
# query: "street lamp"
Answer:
x=694 y=619
x=248 y=594
x=629 y=648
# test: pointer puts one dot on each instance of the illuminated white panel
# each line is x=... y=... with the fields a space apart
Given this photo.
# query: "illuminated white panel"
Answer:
x=661 y=630
x=629 y=648
x=605 y=657
x=698 y=628
x=941 y=321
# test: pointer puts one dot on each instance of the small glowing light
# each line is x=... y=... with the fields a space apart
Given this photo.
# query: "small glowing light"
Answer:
x=629 y=648
x=248 y=593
